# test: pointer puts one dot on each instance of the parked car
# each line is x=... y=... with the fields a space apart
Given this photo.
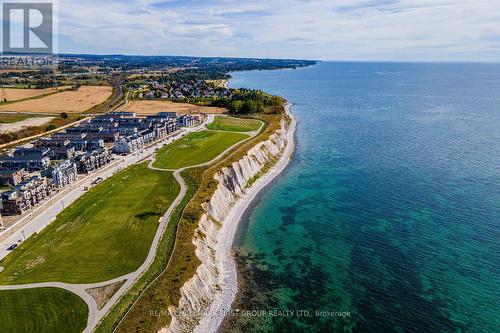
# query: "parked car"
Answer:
x=12 y=247
x=97 y=180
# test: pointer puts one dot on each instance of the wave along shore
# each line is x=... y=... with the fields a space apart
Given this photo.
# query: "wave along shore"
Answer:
x=208 y=295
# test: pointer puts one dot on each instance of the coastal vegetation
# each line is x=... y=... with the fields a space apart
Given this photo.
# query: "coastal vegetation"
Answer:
x=181 y=263
x=247 y=101
x=104 y=234
x=234 y=124
x=42 y=310
x=108 y=231
x=196 y=148
x=239 y=101
x=147 y=292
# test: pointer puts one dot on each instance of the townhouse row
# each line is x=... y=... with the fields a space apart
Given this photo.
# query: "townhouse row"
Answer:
x=36 y=172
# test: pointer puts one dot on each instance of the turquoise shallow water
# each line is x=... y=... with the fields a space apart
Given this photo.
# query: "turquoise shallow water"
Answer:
x=388 y=216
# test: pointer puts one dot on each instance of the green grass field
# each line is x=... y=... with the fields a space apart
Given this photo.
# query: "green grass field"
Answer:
x=196 y=148
x=234 y=124
x=106 y=233
x=42 y=310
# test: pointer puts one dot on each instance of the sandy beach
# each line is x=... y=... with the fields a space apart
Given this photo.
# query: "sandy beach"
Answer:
x=224 y=256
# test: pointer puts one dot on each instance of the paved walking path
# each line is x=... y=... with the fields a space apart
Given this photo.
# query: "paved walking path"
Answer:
x=96 y=315
x=182 y=183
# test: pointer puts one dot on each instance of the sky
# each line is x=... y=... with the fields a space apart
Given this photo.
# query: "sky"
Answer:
x=385 y=30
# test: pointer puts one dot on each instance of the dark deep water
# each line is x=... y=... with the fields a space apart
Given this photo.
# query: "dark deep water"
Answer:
x=390 y=209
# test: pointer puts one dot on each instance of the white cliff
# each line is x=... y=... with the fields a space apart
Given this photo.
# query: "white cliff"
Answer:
x=213 y=287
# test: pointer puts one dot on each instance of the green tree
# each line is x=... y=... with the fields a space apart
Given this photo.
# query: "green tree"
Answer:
x=253 y=106
x=236 y=106
x=50 y=127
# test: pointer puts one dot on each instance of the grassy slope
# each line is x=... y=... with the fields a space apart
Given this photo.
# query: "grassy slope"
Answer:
x=196 y=148
x=154 y=294
x=165 y=291
x=234 y=124
x=106 y=233
x=42 y=310
x=176 y=275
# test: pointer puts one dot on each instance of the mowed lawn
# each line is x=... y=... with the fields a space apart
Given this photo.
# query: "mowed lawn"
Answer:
x=234 y=124
x=196 y=148
x=42 y=310
x=106 y=233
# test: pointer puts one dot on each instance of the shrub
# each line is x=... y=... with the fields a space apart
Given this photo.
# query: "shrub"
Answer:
x=50 y=127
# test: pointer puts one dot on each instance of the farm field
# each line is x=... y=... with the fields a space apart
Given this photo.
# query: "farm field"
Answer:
x=106 y=233
x=145 y=107
x=196 y=148
x=14 y=94
x=66 y=101
x=42 y=310
x=234 y=124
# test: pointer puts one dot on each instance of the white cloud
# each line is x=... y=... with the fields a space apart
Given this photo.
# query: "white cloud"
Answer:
x=320 y=29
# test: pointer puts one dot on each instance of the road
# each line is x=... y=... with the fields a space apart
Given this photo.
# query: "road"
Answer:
x=109 y=104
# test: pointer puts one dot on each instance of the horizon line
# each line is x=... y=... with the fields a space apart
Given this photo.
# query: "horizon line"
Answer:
x=273 y=58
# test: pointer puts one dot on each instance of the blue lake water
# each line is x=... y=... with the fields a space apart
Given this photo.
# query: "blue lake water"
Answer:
x=388 y=216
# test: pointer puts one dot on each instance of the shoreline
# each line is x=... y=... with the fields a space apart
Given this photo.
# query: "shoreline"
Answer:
x=225 y=260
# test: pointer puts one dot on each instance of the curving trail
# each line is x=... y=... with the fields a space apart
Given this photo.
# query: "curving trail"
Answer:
x=95 y=315
x=183 y=186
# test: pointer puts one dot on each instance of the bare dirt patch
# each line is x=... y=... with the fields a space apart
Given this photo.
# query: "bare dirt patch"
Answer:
x=104 y=293
x=14 y=94
x=67 y=101
x=14 y=127
x=145 y=107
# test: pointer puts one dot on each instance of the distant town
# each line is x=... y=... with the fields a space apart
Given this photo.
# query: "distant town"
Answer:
x=108 y=165
x=93 y=136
